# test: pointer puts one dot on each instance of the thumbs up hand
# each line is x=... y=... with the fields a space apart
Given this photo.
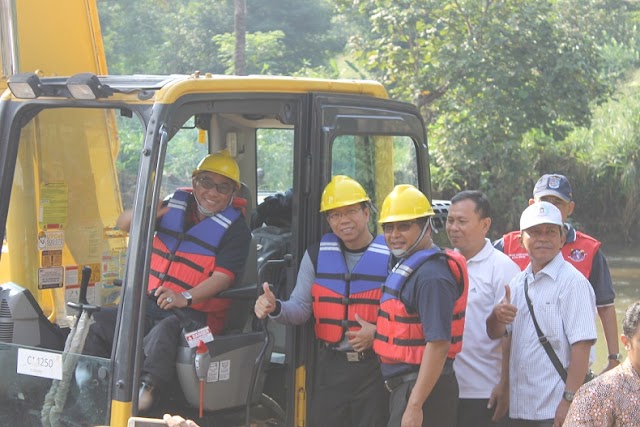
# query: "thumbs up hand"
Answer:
x=361 y=339
x=504 y=311
x=266 y=303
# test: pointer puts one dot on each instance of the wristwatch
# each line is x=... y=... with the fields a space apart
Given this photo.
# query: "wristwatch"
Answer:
x=568 y=395
x=617 y=357
x=188 y=296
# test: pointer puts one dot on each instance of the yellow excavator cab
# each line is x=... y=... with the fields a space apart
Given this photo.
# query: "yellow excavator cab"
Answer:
x=78 y=147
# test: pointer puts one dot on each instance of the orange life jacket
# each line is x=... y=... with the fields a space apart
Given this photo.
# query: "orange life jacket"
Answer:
x=580 y=253
x=180 y=260
x=399 y=336
x=339 y=294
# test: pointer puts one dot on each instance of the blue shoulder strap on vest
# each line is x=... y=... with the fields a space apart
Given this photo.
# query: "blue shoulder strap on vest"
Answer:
x=369 y=272
x=400 y=273
x=204 y=237
x=212 y=229
x=171 y=224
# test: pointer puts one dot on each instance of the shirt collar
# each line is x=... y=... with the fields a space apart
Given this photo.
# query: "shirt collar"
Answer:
x=551 y=270
x=484 y=253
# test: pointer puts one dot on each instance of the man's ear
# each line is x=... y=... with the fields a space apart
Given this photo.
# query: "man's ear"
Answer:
x=531 y=201
x=571 y=207
x=367 y=211
x=486 y=224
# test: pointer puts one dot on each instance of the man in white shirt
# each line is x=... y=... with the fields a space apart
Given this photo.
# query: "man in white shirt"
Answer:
x=483 y=401
x=563 y=305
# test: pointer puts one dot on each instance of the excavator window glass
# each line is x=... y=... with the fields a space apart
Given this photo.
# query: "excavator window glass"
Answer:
x=65 y=199
x=274 y=156
x=377 y=162
x=184 y=152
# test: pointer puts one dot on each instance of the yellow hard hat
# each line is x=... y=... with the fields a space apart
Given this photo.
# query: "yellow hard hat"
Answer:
x=221 y=163
x=404 y=203
x=342 y=191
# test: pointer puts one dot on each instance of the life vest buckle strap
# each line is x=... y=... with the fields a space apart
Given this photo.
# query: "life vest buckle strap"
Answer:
x=460 y=315
x=350 y=356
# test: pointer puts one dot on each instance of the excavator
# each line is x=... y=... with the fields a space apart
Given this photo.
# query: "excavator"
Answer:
x=78 y=146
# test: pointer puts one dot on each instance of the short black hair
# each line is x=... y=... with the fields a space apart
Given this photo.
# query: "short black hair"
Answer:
x=631 y=320
x=483 y=207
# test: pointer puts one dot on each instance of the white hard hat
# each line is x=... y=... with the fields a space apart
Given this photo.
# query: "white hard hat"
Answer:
x=540 y=213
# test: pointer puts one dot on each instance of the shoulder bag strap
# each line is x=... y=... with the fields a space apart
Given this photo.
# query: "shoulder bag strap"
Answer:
x=543 y=340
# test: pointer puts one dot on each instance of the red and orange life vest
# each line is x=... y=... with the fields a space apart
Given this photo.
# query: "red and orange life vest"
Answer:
x=399 y=335
x=580 y=253
x=180 y=260
x=339 y=294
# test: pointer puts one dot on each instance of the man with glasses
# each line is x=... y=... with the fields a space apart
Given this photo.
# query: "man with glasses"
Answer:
x=199 y=250
x=548 y=318
x=421 y=319
x=339 y=285
x=581 y=250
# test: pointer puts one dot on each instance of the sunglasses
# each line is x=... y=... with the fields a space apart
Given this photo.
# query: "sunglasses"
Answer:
x=208 y=184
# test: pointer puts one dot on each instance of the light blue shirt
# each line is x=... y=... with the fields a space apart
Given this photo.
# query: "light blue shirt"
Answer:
x=564 y=306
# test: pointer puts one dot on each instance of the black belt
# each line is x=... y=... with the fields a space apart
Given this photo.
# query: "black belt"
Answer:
x=395 y=382
x=350 y=356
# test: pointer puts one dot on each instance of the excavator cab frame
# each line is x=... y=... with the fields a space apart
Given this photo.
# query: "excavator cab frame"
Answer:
x=61 y=193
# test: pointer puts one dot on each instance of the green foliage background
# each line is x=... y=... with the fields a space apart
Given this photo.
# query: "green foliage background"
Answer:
x=509 y=89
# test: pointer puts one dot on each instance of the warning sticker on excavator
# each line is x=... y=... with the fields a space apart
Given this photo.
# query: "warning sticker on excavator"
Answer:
x=202 y=334
x=225 y=370
x=51 y=258
x=54 y=203
x=212 y=373
x=50 y=277
x=219 y=371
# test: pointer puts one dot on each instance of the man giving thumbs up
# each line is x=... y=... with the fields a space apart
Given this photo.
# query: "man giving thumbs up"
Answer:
x=339 y=285
x=548 y=315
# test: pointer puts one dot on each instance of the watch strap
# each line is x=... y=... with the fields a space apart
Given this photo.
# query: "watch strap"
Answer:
x=568 y=395
x=188 y=297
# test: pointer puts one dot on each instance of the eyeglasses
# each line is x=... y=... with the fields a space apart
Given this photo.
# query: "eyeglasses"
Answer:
x=349 y=213
x=208 y=184
x=402 y=227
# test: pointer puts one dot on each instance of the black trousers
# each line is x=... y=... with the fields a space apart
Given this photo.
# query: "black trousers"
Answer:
x=439 y=410
x=162 y=334
x=348 y=394
x=474 y=413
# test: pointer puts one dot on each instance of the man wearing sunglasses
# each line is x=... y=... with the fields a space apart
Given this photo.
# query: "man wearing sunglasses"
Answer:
x=199 y=250
x=339 y=285
x=421 y=318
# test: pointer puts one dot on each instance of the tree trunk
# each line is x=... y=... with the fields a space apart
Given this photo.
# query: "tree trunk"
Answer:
x=240 y=26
